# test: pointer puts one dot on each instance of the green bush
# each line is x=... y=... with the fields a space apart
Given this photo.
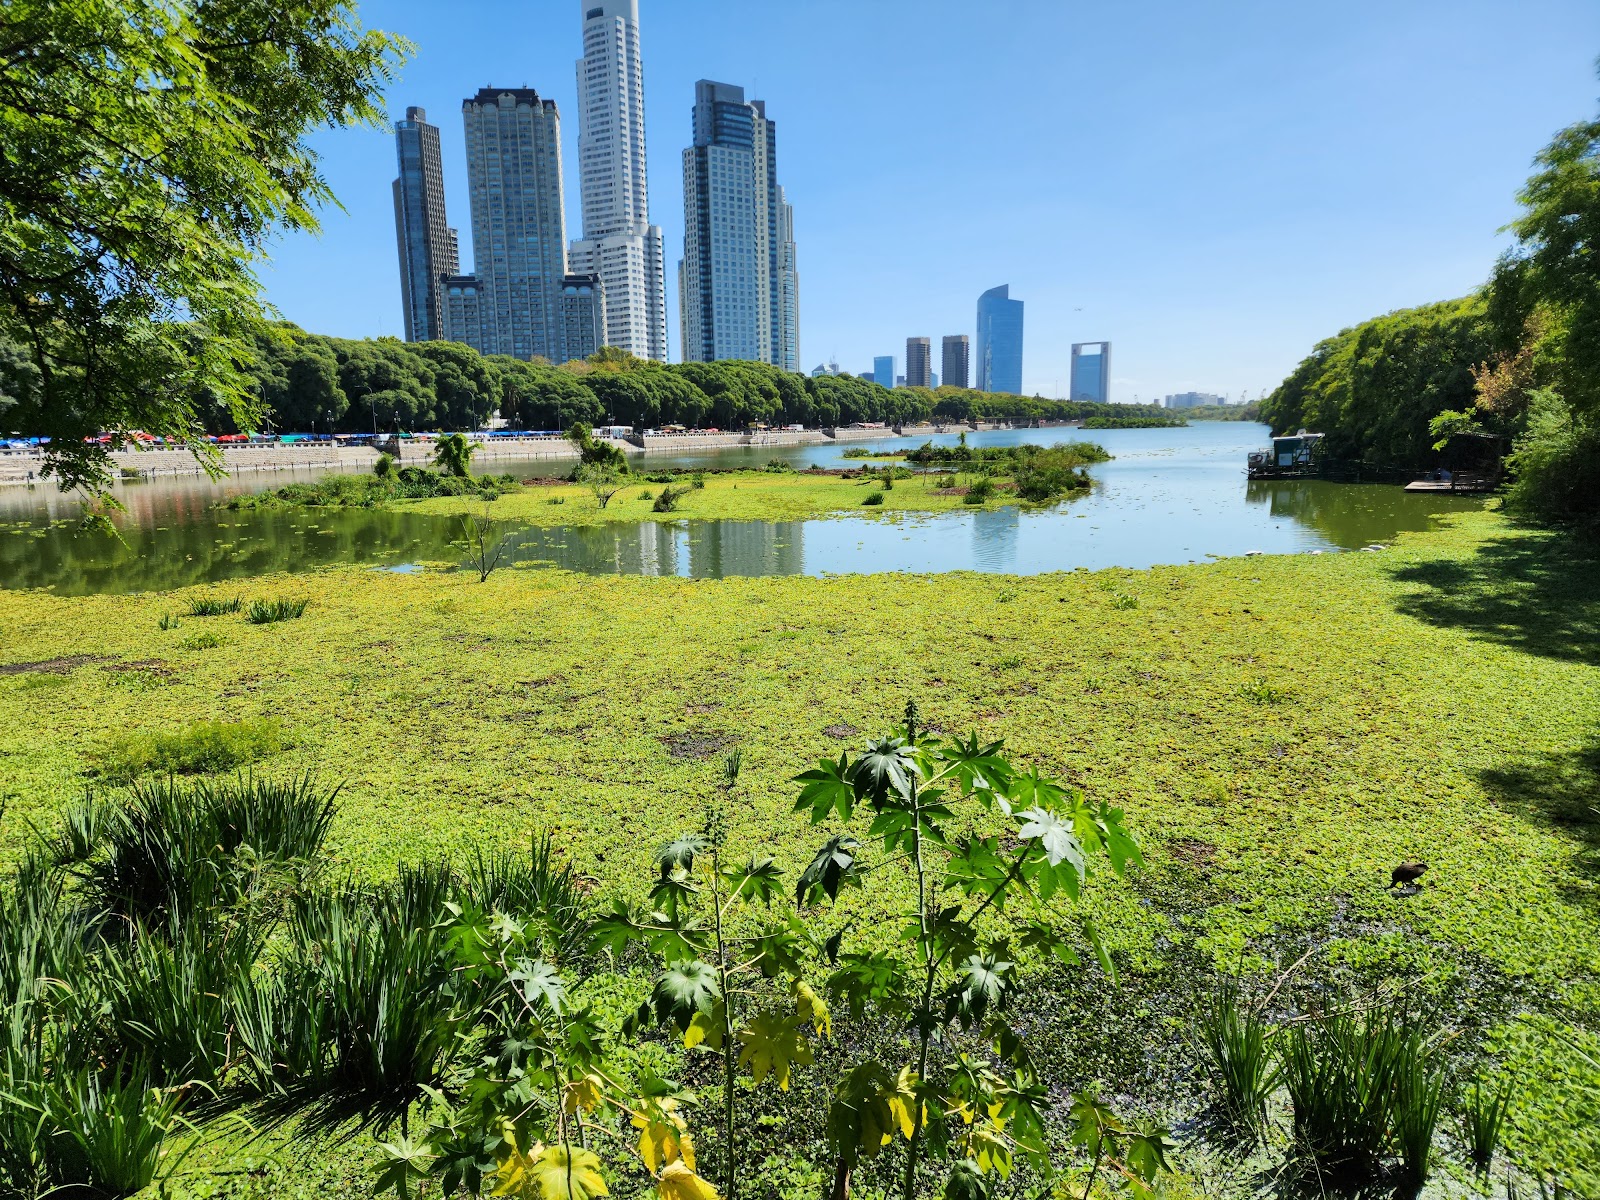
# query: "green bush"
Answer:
x=204 y=748
x=669 y=499
x=1556 y=464
x=202 y=641
x=872 y=498
x=267 y=612
x=980 y=491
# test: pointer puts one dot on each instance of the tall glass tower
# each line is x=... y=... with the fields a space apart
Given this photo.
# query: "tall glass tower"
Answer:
x=738 y=289
x=1091 y=371
x=619 y=244
x=427 y=243
x=519 y=230
x=999 y=349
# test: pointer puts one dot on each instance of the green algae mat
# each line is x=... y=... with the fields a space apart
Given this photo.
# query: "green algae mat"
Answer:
x=1281 y=731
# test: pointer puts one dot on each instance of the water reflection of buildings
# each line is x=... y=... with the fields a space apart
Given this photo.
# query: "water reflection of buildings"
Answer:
x=994 y=538
x=691 y=549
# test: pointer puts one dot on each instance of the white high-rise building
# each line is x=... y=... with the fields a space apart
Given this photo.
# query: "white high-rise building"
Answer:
x=738 y=290
x=619 y=244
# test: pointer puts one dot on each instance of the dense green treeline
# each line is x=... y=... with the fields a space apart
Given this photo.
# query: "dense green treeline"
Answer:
x=1373 y=389
x=1519 y=359
x=311 y=382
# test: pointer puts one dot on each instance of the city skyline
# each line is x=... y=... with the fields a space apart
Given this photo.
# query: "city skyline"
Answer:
x=1285 y=203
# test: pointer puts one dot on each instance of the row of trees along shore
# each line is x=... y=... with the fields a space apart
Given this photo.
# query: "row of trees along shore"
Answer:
x=1518 y=359
x=310 y=381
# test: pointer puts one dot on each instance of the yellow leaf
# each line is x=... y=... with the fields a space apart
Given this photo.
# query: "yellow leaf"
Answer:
x=584 y=1093
x=902 y=1097
x=706 y=1029
x=678 y=1182
x=811 y=1007
x=772 y=1042
x=550 y=1173
x=663 y=1137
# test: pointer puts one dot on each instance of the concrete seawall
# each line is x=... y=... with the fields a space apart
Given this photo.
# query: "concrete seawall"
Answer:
x=22 y=466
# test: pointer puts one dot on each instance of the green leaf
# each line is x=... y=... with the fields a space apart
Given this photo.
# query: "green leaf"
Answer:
x=1042 y=938
x=886 y=769
x=405 y=1163
x=539 y=985
x=829 y=869
x=684 y=989
x=1054 y=836
x=771 y=1043
x=975 y=867
x=779 y=949
x=979 y=766
x=678 y=854
x=875 y=978
x=982 y=980
x=966 y=1182
x=1092 y=932
x=827 y=789
x=1147 y=1151
x=756 y=880
x=616 y=929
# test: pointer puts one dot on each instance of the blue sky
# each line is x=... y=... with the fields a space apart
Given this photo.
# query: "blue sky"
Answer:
x=1211 y=186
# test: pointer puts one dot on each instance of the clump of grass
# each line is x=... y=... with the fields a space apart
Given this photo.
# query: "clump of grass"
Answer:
x=203 y=641
x=266 y=612
x=1235 y=1038
x=981 y=491
x=211 y=606
x=168 y=622
x=556 y=500
x=280 y=1018
x=1483 y=1117
x=1364 y=1086
x=1124 y=601
x=1006 y=596
x=175 y=844
x=83 y=824
x=105 y=1133
x=647 y=494
x=697 y=480
x=872 y=498
x=204 y=748
x=945 y=482
x=534 y=888
x=1261 y=691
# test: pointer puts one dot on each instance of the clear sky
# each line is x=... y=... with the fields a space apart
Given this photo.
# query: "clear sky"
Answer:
x=1212 y=186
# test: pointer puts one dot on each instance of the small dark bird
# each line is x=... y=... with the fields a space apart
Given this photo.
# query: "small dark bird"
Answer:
x=1407 y=872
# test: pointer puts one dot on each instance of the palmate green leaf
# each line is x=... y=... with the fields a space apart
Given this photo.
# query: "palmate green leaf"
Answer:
x=615 y=929
x=539 y=985
x=979 y=767
x=779 y=949
x=1041 y=937
x=878 y=979
x=827 y=790
x=405 y=1165
x=678 y=854
x=830 y=869
x=671 y=893
x=756 y=880
x=975 y=866
x=466 y=1159
x=684 y=989
x=1032 y=790
x=1120 y=844
x=1147 y=1151
x=886 y=769
x=771 y=1043
x=981 y=980
x=1055 y=837
x=966 y=1181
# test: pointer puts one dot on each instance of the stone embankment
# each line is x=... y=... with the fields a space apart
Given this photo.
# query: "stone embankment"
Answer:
x=23 y=466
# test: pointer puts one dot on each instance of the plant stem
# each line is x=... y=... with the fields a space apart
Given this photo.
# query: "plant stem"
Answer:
x=730 y=1183
x=930 y=969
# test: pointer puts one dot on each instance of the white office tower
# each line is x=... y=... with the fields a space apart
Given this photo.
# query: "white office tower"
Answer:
x=619 y=244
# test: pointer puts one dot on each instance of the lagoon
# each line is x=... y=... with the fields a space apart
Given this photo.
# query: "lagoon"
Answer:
x=1168 y=496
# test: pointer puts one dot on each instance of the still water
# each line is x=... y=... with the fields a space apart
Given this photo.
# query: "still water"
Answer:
x=1169 y=496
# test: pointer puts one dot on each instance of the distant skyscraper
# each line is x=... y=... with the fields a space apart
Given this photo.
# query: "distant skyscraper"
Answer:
x=919 y=362
x=737 y=287
x=957 y=360
x=1091 y=372
x=427 y=243
x=460 y=310
x=619 y=244
x=883 y=371
x=519 y=232
x=999 y=346
x=583 y=316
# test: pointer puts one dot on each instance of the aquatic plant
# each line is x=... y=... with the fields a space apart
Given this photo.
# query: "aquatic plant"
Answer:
x=203 y=747
x=266 y=612
x=211 y=606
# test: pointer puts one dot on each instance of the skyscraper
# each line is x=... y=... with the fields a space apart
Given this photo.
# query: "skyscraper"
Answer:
x=957 y=360
x=738 y=292
x=519 y=231
x=1091 y=372
x=999 y=355
x=583 y=316
x=619 y=244
x=919 y=362
x=427 y=243
x=883 y=370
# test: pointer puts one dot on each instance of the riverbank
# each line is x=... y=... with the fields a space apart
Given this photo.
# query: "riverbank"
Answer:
x=23 y=467
x=1280 y=730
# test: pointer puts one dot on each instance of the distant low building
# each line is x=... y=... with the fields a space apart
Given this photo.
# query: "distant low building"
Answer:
x=1193 y=400
x=1091 y=372
x=883 y=370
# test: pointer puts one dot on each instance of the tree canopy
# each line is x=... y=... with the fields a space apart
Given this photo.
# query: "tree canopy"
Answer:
x=148 y=151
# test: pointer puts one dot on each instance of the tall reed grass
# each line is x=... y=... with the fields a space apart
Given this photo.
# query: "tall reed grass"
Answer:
x=1236 y=1039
